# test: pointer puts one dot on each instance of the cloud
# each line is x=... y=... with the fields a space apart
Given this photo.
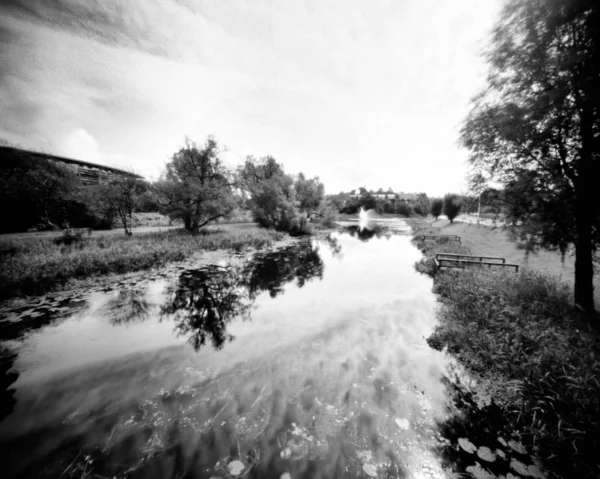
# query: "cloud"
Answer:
x=82 y=146
x=342 y=89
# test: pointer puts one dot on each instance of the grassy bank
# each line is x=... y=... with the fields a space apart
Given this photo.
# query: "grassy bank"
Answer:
x=490 y=241
x=519 y=335
x=35 y=266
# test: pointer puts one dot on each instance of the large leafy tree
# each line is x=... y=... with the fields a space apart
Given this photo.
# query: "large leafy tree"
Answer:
x=451 y=206
x=197 y=187
x=536 y=126
x=269 y=193
x=436 y=207
x=120 y=197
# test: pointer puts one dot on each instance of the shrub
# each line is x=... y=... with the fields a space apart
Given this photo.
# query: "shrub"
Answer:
x=71 y=236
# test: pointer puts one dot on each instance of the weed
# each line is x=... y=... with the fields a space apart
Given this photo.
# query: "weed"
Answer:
x=520 y=335
x=38 y=265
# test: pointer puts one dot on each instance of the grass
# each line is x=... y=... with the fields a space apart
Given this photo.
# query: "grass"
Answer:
x=539 y=359
x=490 y=241
x=38 y=265
x=531 y=351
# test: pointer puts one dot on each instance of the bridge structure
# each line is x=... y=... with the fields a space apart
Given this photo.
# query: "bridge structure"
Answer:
x=89 y=173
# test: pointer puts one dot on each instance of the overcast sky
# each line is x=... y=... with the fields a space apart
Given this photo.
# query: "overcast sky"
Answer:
x=360 y=93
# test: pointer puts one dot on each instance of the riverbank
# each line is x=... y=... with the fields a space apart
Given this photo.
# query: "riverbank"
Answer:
x=495 y=241
x=528 y=348
x=39 y=265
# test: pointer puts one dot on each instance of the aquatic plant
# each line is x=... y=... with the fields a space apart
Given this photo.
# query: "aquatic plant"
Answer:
x=35 y=266
x=521 y=336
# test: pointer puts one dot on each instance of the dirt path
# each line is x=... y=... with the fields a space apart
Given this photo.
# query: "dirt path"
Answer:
x=485 y=240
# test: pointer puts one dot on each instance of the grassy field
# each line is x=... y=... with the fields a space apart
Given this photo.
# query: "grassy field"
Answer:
x=485 y=240
x=521 y=338
x=30 y=266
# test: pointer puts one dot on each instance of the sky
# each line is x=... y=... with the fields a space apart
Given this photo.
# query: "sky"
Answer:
x=359 y=93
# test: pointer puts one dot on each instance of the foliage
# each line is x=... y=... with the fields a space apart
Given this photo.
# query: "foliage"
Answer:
x=120 y=197
x=436 y=207
x=196 y=186
x=520 y=336
x=276 y=199
x=422 y=206
x=310 y=193
x=451 y=206
x=37 y=193
x=35 y=266
x=71 y=236
x=536 y=127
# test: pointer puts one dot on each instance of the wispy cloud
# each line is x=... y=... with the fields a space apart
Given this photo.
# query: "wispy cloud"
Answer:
x=353 y=91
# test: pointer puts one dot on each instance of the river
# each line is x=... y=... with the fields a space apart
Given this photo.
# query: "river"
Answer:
x=309 y=361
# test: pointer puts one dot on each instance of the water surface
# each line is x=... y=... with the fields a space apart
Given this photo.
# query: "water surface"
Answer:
x=309 y=361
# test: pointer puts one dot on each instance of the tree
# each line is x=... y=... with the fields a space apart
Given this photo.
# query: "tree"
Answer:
x=269 y=193
x=35 y=192
x=310 y=193
x=120 y=196
x=536 y=127
x=196 y=186
x=422 y=206
x=436 y=207
x=451 y=206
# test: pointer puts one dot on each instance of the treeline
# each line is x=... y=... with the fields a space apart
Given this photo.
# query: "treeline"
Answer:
x=196 y=188
x=347 y=204
x=45 y=195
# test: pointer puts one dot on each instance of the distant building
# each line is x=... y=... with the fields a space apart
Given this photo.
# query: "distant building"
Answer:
x=89 y=173
x=388 y=195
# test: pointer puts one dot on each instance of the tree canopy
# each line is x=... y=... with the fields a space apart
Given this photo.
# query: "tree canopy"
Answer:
x=196 y=186
x=536 y=126
x=451 y=206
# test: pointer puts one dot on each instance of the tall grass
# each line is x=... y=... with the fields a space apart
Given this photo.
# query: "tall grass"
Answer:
x=426 y=264
x=540 y=360
x=35 y=266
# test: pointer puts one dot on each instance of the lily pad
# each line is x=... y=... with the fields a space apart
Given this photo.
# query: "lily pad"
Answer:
x=370 y=470
x=517 y=446
x=285 y=475
x=535 y=471
x=402 y=423
x=486 y=454
x=479 y=472
x=235 y=468
x=467 y=445
x=519 y=467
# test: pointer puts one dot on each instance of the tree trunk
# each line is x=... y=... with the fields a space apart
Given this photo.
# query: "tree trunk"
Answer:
x=584 y=217
x=584 y=268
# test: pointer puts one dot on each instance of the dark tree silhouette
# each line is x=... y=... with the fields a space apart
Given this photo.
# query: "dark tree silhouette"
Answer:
x=536 y=126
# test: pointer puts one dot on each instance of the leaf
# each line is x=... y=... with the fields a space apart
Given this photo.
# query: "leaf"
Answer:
x=467 y=445
x=402 y=423
x=370 y=470
x=486 y=454
x=235 y=468
x=517 y=446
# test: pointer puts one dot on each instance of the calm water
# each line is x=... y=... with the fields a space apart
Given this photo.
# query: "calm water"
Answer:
x=305 y=362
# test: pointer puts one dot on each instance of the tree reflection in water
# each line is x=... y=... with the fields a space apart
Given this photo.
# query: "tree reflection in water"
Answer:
x=128 y=307
x=205 y=300
x=365 y=234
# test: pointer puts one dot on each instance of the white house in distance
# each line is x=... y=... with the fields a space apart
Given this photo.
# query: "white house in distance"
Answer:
x=380 y=194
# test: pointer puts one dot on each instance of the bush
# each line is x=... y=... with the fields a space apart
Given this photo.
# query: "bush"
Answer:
x=71 y=236
x=403 y=208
